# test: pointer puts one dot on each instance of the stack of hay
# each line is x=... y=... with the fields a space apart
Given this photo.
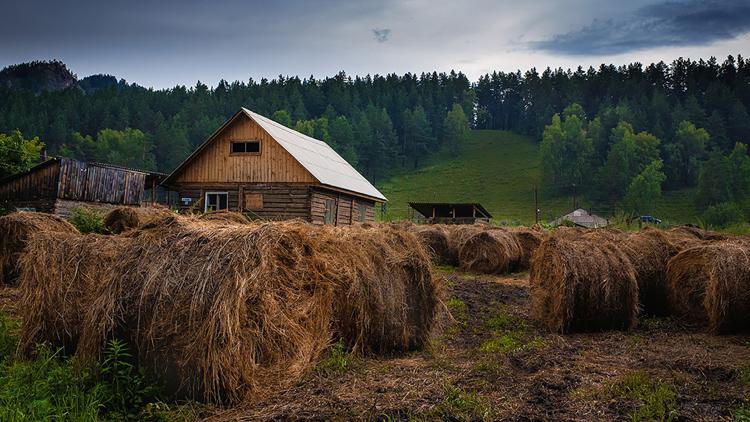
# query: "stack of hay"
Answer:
x=122 y=219
x=230 y=312
x=15 y=231
x=602 y=268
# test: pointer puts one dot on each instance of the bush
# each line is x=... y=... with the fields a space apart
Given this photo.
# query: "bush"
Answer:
x=723 y=215
x=87 y=220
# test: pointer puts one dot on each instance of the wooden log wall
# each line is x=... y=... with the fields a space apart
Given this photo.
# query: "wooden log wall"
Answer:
x=281 y=201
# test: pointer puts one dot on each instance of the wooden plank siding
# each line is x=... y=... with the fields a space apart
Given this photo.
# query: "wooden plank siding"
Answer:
x=32 y=186
x=344 y=215
x=216 y=164
x=81 y=181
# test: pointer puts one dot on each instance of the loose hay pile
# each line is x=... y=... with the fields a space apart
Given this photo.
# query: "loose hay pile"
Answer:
x=228 y=313
x=582 y=285
x=490 y=252
x=122 y=219
x=711 y=284
x=62 y=274
x=16 y=229
x=229 y=217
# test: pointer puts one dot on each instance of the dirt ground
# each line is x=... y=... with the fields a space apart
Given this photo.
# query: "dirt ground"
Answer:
x=489 y=362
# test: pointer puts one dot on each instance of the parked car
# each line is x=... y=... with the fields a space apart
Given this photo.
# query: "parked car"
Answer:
x=650 y=219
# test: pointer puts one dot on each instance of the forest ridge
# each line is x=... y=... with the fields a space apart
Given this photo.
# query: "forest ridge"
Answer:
x=695 y=111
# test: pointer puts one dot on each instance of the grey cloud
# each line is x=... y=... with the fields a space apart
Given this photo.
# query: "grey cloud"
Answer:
x=669 y=23
x=381 y=35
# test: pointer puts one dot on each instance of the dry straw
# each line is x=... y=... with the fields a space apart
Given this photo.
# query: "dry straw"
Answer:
x=122 y=219
x=227 y=312
x=435 y=241
x=490 y=252
x=224 y=216
x=582 y=285
x=710 y=284
x=16 y=229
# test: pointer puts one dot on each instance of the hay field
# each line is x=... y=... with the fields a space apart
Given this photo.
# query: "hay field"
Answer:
x=284 y=321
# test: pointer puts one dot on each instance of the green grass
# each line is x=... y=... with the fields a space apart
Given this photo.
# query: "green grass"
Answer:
x=655 y=399
x=499 y=170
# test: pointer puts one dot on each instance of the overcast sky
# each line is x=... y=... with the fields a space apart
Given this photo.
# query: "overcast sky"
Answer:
x=170 y=42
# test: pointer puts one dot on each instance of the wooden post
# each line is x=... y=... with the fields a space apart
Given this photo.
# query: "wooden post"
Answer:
x=536 y=205
x=153 y=191
x=240 y=199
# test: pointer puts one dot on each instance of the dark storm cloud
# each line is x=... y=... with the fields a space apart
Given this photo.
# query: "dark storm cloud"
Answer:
x=670 y=23
x=381 y=35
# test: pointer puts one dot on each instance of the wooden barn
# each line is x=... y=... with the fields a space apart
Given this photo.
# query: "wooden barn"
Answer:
x=60 y=184
x=257 y=166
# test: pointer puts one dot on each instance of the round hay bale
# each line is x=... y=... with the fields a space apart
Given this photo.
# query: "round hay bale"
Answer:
x=61 y=274
x=693 y=232
x=710 y=284
x=457 y=235
x=386 y=299
x=227 y=313
x=435 y=241
x=228 y=217
x=15 y=231
x=490 y=252
x=582 y=285
x=528 y=240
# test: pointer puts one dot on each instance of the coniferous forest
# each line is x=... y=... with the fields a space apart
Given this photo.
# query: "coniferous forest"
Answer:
x=619 y=134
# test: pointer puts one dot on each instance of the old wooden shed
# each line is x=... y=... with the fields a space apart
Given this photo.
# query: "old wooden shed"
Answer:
x=60 y=184
x=255 y=165
x=449 y=213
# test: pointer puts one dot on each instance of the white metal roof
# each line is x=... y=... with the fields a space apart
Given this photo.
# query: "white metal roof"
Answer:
x=318 y=158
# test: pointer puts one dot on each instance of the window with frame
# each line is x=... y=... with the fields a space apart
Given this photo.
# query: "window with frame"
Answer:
x=330 y=214
x=245 y=147
x=361 y=212
x=216 y=201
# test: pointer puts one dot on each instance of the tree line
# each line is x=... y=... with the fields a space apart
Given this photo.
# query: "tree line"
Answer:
x=602 y=129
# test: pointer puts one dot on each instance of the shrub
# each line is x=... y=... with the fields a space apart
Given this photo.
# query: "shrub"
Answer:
x=723 y=215
x=87 y=220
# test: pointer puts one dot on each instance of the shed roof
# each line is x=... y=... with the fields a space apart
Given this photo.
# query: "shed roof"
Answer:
x=425 y=208
x=581 y=217
x=54 y=159
x=316 y=156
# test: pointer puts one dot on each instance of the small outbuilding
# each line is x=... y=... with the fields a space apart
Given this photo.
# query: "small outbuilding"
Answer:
x=449 y=213
x=582 y=218
x=262 y=168
x=60 y=184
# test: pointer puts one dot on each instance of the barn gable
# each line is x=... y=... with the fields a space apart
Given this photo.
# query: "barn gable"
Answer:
x=214 y=162
x=284 y=156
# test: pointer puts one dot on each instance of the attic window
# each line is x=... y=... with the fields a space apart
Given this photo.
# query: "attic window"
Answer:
x=244 y=147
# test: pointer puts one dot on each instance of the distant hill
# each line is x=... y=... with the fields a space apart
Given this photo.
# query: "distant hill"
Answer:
x=500 y=169
x=38 y=76
x=54 y=75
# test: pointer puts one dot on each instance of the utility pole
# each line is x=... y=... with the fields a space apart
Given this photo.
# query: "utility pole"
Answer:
x=575 y=203
x=536 y=205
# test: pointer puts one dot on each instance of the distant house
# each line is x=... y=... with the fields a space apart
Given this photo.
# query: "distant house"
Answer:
x=255 y=165
x=449 y=213
x=582 y=218
x=60 y=184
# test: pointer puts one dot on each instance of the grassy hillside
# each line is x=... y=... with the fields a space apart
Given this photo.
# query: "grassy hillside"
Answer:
x=499 y=169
